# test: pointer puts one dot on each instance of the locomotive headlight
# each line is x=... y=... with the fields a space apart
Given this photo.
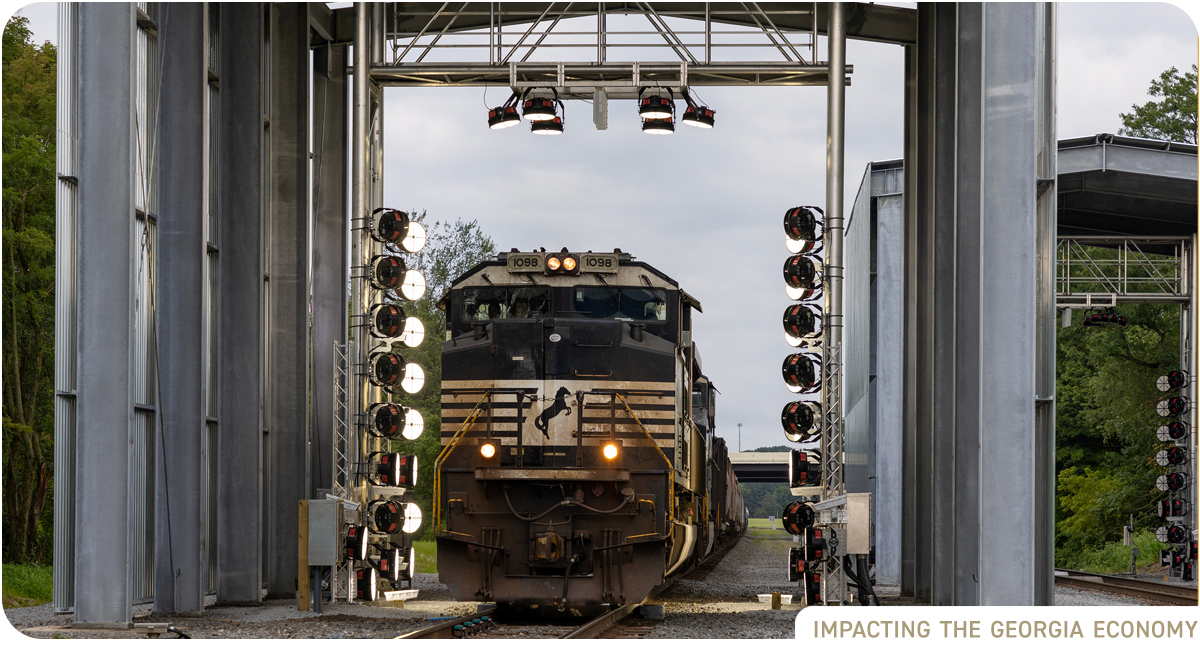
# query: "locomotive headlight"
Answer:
x=412 y=518
x=610 y=451
x=553 y=263
x=414 y=378
x=569 y=264
x=414 y=332
x=414 y=424
x=415 y=240
x=414 y=285
x=386 y=321
x=487 y=451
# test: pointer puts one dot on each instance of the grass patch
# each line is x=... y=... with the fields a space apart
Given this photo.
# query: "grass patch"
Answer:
x=26 y=585
x=426 y=556
x=763 y=523
x=1114 y=557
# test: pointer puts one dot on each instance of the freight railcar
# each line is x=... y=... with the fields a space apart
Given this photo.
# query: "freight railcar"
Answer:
x=580 y=462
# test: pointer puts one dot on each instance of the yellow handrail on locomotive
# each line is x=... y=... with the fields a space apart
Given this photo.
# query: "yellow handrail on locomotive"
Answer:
x=670 y=468
x=437 y=464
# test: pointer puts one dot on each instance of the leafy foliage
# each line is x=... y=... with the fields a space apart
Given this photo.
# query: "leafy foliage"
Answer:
x=1174 y=117
x=1105 y=426
x=29 y=78
x=450 y=250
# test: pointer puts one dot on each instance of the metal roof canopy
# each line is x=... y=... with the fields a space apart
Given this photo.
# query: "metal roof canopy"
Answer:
x=1115 y=185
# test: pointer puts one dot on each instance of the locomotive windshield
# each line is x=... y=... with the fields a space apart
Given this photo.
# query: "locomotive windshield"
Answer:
x=624 y=303
x=486 y=303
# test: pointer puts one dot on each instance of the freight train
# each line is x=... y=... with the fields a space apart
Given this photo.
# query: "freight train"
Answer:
x=580 y=463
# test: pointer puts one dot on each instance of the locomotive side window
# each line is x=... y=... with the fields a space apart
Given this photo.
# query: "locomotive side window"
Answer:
x=625 y=303
x=500 y=302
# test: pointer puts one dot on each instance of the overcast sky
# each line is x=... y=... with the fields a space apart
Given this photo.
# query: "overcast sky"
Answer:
x=705 y=207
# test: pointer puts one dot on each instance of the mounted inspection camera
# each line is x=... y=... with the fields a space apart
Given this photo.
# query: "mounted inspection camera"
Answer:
x=801 y=373
x=801 y=420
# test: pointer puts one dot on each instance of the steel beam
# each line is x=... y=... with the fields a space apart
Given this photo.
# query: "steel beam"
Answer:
x=240 y=385
x=331 y=231
x=1008 y=322
x=179 y=545
x=287 y=302
x=107 y=148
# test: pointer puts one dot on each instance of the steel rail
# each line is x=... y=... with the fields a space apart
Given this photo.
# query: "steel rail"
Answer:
x=1163 y=592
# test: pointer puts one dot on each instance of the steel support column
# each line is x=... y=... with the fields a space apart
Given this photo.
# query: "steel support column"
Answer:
x=979 y=457
x=287 y=303
x=107 y=148
x=179 y=543
x=240 y=385
x=330 y=269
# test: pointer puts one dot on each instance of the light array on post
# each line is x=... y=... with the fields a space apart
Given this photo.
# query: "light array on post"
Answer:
x=1175 y=482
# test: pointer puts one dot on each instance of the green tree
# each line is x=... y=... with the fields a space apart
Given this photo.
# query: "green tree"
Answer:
x=1172 y=118
x=450 y=250
x=29 y=79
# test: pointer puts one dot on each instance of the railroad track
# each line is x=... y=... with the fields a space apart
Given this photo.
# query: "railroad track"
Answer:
x=500 y=622
x=1161 y=592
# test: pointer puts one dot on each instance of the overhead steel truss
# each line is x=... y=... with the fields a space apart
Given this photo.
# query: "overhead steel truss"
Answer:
x=539 y=45
x=1104 y=271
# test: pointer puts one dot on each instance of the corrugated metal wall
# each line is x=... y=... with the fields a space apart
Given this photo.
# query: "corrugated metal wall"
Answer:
x=856 y=339
x=65 y=313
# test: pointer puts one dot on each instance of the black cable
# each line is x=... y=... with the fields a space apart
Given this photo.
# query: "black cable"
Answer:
x=182 y=635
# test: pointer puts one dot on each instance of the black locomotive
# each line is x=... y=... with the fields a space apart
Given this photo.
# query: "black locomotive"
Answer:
x=579 y=460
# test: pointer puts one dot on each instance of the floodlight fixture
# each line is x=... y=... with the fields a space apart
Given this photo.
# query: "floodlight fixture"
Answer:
x=414 y=424
x=1171 y=456
x=1172 y=534
x=503 y=116
x=797 y=516
x=412 y=518
x=390 y=226
x=1172 y=381
x=801 y=373
x=386 y=419
x=656 y=107
x=800 y=323
x=356 y=542
x=801 y=420
x=541 y=109
x=386 y=369
x=386 y=321
x=1172 y=432
x=658 y=126
x=1170 y=482
x=699 y=116
x=365 y=587
x=1172 y=406
x=414 y=332
x=386 y=517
